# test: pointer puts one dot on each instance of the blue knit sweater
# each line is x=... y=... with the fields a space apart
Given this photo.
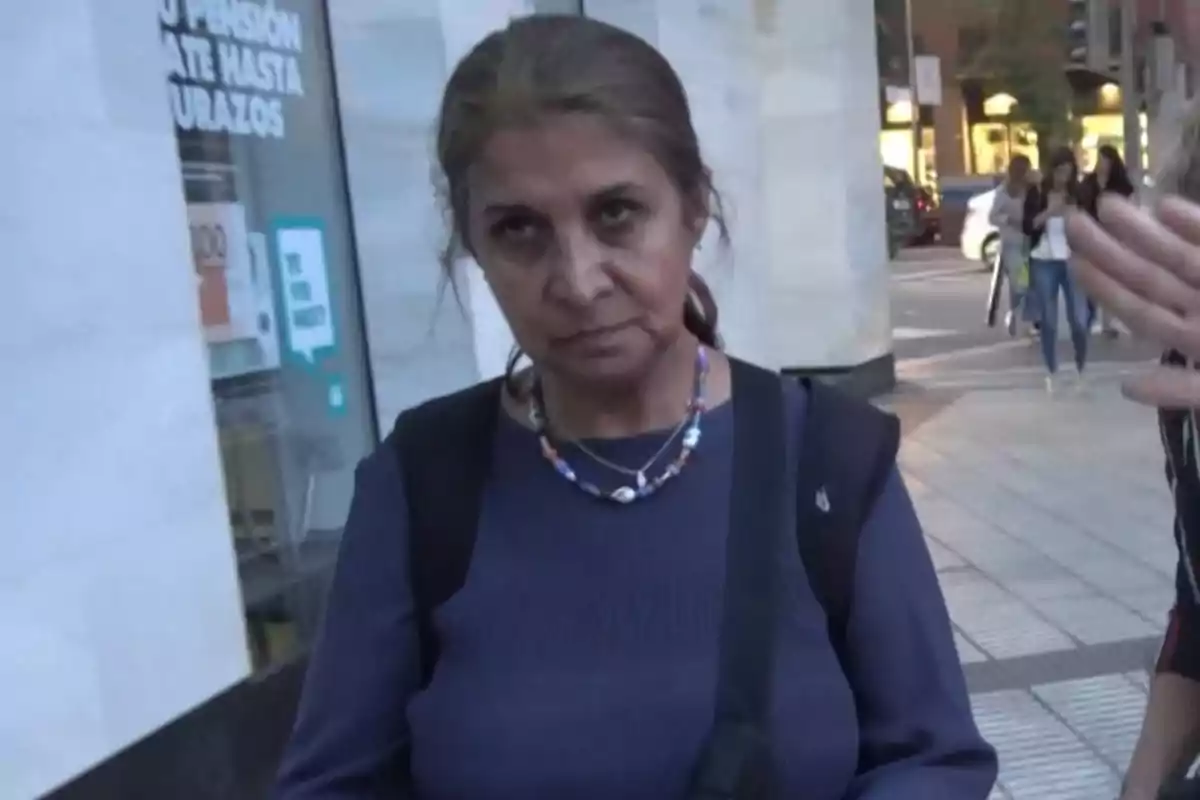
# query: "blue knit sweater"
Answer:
x=579 y=659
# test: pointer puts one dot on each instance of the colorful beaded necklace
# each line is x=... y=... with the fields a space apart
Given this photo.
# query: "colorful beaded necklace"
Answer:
x=643 y=485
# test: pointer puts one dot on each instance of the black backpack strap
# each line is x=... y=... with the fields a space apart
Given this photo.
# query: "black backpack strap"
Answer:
x=736 y=761
x=445 y=448
x=847 y=452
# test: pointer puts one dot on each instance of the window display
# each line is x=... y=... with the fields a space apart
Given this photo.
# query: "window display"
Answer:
x=251 y=91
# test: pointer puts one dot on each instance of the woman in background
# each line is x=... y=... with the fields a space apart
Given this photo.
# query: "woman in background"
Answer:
x=1045 y=225
x=1008 y=215
x=1110 y=175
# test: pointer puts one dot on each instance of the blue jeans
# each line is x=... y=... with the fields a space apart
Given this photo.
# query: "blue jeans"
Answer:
x=1046 y=279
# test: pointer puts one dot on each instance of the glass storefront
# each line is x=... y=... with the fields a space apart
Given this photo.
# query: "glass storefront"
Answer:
x=1107 y=129
x=993 y=145
x=896 y=147
x=896 y=142
x=251 y=90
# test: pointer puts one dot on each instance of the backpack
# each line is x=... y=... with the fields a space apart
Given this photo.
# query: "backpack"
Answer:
x=849 y=450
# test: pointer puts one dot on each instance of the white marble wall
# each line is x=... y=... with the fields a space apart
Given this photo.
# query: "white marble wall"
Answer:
x=392 y=61
x=711 y=44
x=783 y=97
x=822 y=201
x=119 y=601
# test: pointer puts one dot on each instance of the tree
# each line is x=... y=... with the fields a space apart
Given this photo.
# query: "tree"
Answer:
x=1024 y=50
x=891 y=42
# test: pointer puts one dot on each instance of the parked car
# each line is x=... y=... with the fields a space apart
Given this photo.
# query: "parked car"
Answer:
x=980 y=240
x=900 y=195
x=928 y=217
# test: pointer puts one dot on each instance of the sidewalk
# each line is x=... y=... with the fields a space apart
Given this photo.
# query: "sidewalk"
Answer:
x=1049 y=522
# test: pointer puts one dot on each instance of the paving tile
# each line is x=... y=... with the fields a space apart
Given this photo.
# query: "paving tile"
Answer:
x=1008 y=629
x=1106 y=711
x=943 y=557
x=1094 y=620
x=1139 y=679
x=1113 y=573
x=1053 y=547
x=968 y=591
x=1040 y=756
x=1035 y=588
x=996 y=552
x=967 y=652
x=1151 y=604
x=1158 y=558
x=1030 y=565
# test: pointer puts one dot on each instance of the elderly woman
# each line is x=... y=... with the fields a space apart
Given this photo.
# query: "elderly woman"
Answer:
x=571 y=583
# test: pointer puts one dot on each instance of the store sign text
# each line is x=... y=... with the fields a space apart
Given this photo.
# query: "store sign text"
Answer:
x=231 y=64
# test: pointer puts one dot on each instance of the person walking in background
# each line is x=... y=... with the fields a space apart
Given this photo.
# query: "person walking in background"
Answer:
x=1045 y=225
x=1008 y=215
x=1110 y=175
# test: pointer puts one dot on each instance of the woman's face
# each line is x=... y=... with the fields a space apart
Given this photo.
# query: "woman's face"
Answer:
x=1062 y=174
x=586 y=243
x=1018 y=173
x=1103 y=167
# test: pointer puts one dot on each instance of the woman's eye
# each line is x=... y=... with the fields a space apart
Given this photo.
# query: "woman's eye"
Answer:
x=616 y=214
x=516 y=229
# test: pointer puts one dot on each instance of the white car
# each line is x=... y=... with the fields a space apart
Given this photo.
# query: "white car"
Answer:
x=980 y=239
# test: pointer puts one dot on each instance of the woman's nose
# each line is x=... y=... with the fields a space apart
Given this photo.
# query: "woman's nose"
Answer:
x=580 y=275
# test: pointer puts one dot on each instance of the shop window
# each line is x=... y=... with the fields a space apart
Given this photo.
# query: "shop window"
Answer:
x=1098 y=130
x=256 y=121
x=994 y=144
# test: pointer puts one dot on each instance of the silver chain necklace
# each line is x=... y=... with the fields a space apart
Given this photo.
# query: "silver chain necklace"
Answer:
x=639 y=474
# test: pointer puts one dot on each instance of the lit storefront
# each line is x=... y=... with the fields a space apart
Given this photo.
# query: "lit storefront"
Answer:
x=1000 y=136
x=1102 y=123
x=996 y=133
x=896 y=140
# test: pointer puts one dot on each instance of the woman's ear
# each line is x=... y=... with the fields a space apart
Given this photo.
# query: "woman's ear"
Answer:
x=698 y=215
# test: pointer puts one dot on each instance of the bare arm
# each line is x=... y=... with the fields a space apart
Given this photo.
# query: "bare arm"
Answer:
x=998 y=215
x=1170 y=736
x=1051 y=211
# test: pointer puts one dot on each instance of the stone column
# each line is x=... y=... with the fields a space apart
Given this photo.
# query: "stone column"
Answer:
x=119 y=596
x=828 y=295
x=784 y=94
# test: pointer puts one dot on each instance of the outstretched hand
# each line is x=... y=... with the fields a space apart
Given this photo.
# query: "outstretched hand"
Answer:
x=1145 y=269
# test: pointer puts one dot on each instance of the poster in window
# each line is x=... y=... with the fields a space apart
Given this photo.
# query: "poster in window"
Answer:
x=235 y=71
